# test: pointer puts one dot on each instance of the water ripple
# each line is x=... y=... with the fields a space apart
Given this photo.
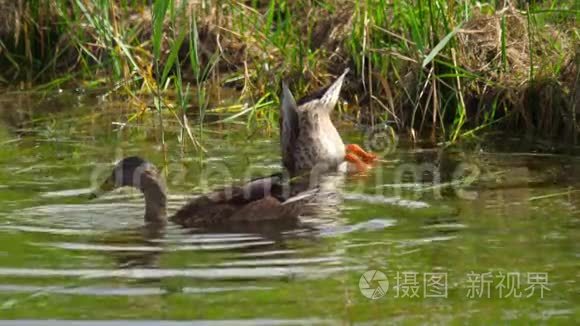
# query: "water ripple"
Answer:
x=198 y=273
x=40 y=229
x=118 y=291
x=66 y=193
x=370 y=225
x=113 y=248
x=396 y=201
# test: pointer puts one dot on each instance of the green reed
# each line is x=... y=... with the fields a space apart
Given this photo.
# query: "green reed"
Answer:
x=406 y=56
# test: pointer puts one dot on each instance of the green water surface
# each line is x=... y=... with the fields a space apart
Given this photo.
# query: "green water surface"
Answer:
x=494 y=238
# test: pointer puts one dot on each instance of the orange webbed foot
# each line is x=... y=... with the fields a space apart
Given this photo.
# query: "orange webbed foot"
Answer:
x=356 y=150
x=356 y=162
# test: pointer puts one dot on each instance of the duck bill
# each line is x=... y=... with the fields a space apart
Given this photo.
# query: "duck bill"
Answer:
x=106 y=186
x=330 y=98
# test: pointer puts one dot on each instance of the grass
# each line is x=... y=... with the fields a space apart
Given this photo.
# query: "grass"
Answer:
x=433 y=67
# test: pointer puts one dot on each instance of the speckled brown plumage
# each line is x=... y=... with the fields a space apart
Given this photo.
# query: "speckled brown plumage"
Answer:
x=258 y=200
x=308 y=137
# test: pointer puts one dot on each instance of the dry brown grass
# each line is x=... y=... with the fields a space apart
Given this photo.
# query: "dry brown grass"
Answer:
x=523 y=79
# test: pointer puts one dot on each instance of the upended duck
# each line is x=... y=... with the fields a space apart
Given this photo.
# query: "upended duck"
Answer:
x=309 y=142
x=308 y=138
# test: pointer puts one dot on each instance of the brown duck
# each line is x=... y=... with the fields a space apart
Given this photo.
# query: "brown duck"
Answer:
x=309 y=141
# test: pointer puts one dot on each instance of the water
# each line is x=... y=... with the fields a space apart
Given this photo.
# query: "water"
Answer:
x=507 y=212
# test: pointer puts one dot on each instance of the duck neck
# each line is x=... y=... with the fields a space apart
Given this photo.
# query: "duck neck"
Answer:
x=155 y=199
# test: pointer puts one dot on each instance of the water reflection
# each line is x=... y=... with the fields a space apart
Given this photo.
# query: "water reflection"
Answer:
x=132 y=243
x=54 y=245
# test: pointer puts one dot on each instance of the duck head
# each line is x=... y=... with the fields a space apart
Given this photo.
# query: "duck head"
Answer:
x=138 y=173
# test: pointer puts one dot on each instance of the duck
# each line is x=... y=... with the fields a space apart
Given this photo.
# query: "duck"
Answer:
x=310 y=144
x=261 y=199
x=308 y=138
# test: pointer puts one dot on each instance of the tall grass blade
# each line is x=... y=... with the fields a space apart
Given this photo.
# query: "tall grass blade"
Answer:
x=440 y=46
x=159 y=12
